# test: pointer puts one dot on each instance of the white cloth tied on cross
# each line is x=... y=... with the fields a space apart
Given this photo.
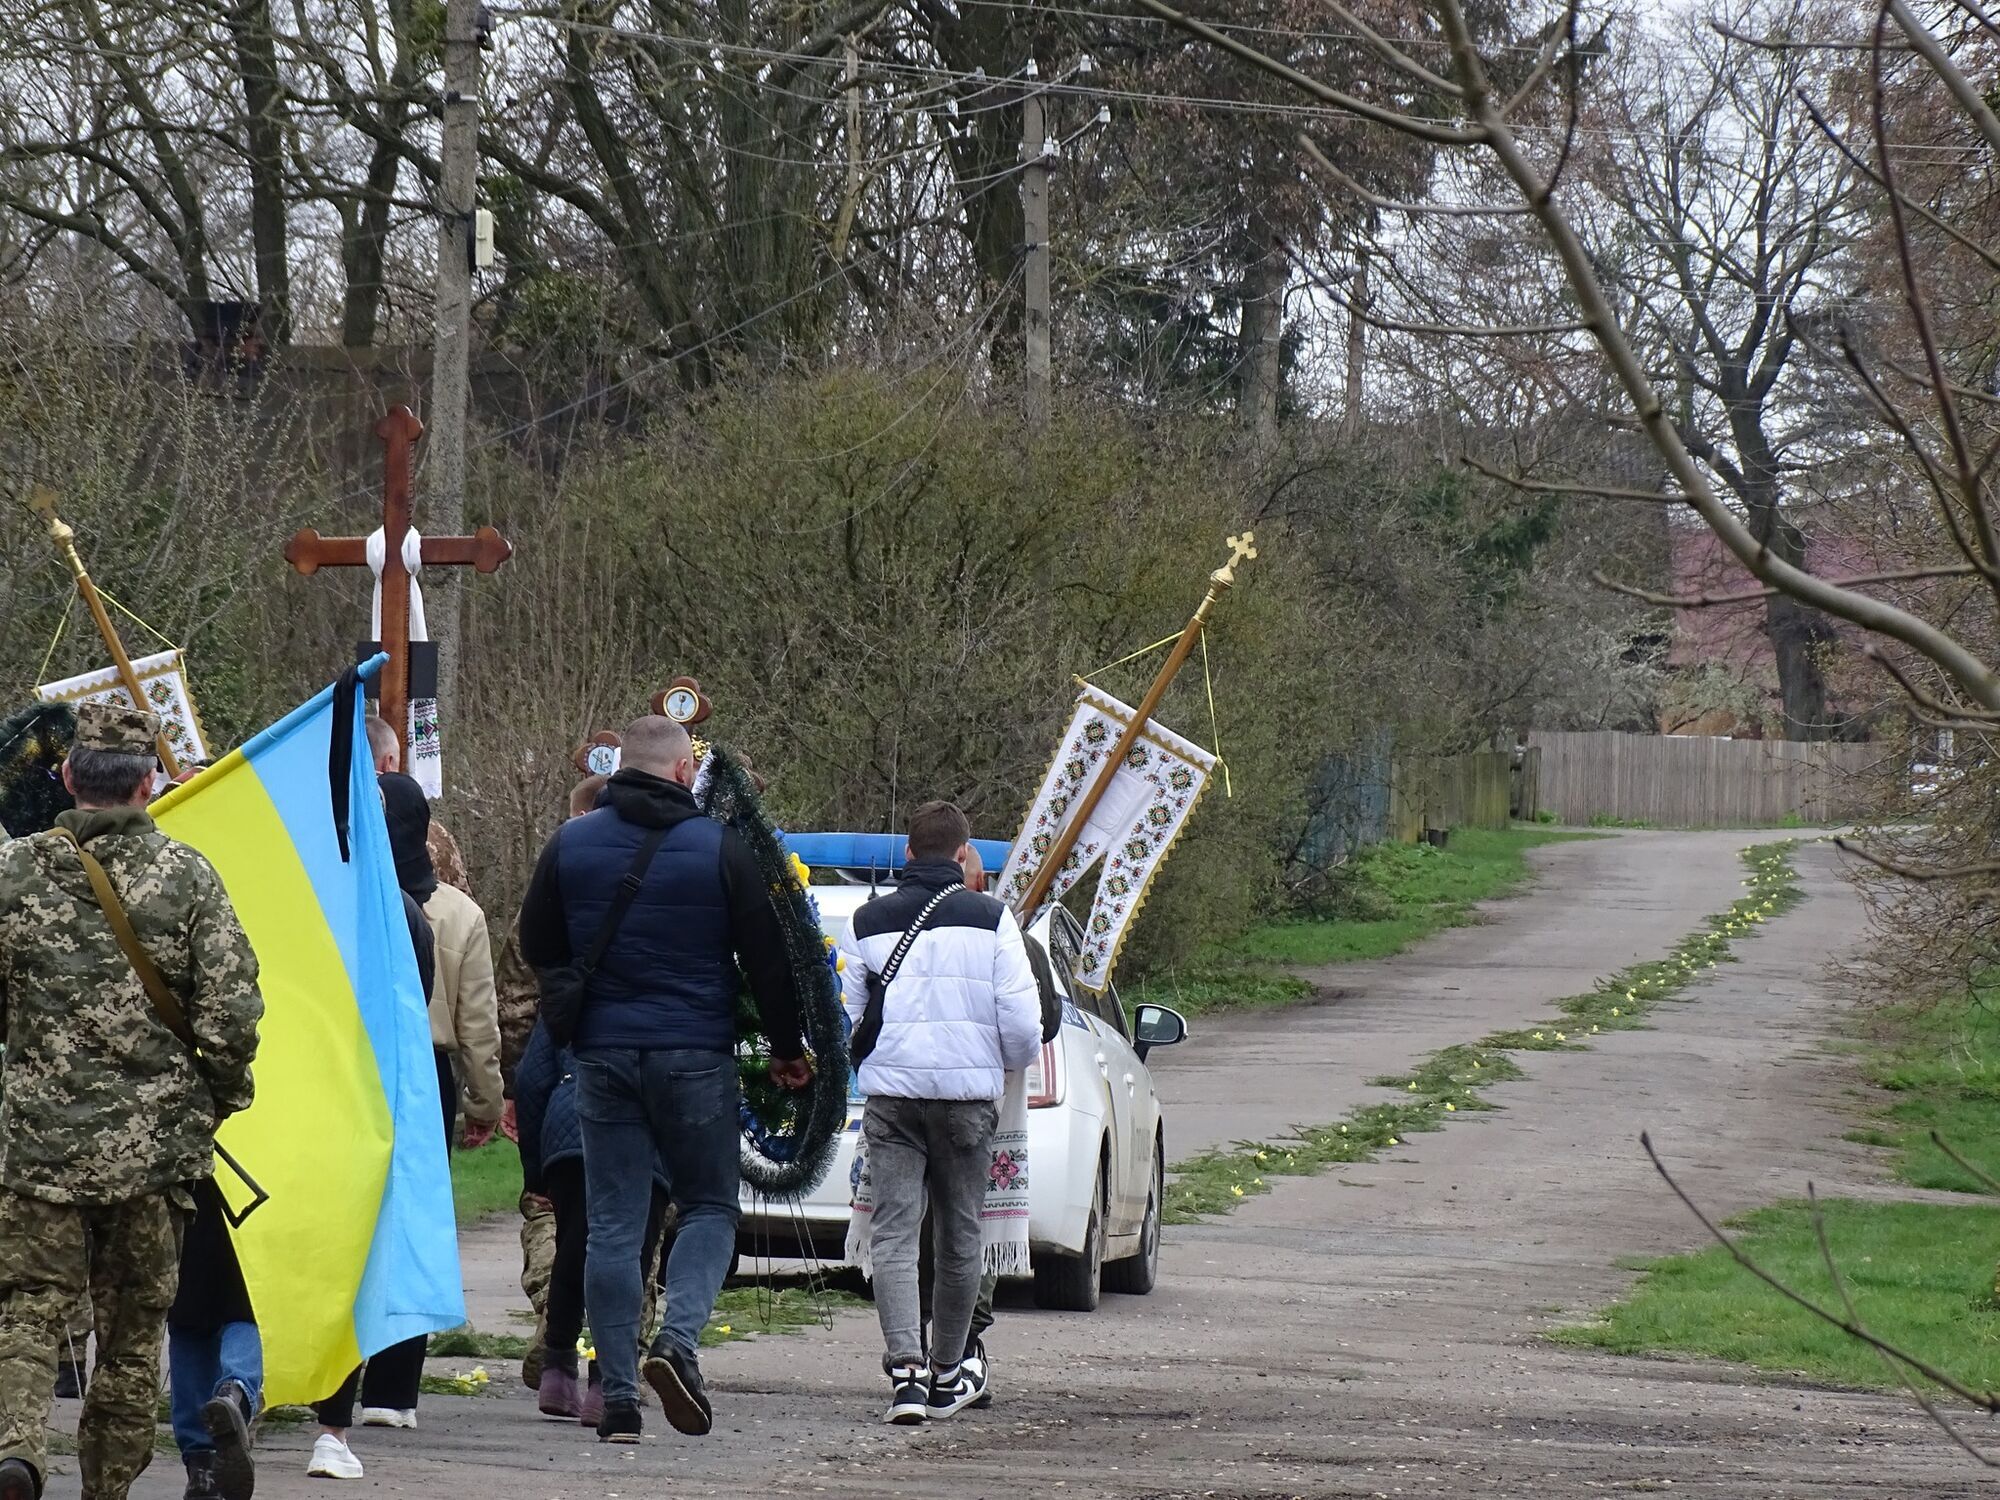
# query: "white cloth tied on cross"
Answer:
x=424 y=761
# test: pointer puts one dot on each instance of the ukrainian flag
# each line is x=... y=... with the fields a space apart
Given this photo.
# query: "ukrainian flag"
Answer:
x=356 y=1248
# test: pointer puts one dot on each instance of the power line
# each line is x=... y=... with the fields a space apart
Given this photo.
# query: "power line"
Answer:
x=1276 y=109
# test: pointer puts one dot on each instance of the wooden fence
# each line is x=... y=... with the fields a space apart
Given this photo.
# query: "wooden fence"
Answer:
x=1450 y=791
x=1696 y=781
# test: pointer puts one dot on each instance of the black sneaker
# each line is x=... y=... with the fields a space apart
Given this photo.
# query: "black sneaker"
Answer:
x=18 y=1481
x=69 y=1381
x=201 y=1477
x=977 y=1367
x=620 y=1424
x=909 y=1396
x=226 y=1418
x=951 y=1391
x=676 y=1380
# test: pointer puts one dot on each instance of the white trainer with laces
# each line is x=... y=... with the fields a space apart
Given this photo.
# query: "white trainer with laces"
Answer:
x=333 y=1459
x=388 y=1416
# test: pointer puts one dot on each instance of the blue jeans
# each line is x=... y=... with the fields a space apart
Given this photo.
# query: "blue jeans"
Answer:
x=197 y=1363
x=681 y=1106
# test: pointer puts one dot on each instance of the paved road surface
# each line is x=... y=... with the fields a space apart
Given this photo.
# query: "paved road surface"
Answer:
x=1371 y=1332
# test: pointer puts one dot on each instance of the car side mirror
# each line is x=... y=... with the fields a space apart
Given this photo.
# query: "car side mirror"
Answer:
x=1157 y=1026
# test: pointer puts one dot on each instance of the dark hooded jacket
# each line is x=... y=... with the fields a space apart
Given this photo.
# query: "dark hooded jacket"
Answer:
x=670 y=978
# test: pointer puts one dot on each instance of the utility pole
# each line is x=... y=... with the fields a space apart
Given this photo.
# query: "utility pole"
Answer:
x=1035 y=153
x=850 y=201
x=451 y=361
x=1357 y=345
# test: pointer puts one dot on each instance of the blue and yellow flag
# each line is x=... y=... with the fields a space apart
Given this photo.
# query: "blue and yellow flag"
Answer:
x=356 y=1248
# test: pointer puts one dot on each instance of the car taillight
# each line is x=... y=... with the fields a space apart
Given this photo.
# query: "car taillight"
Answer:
x=1045 y=1078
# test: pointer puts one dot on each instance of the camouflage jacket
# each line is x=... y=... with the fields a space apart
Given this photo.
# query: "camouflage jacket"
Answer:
x=99 y=1101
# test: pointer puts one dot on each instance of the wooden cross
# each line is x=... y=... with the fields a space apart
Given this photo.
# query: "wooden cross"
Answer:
x=485 y=550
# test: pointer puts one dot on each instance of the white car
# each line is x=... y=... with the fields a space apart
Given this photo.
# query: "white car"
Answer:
x=1096 y=1142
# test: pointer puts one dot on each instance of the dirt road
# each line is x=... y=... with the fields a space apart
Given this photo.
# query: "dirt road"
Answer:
x=1371 y=1332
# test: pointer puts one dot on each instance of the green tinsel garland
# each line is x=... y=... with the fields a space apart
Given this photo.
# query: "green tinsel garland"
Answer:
x=789 y=1138
x=33 y=742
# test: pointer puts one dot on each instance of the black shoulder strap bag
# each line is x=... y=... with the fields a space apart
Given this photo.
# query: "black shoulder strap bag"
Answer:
x=868 y=1031
x=564 y=985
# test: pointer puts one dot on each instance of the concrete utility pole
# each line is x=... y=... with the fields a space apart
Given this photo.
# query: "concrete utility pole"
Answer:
x=1357 y=345
x=1035 y=153
x=451 y=363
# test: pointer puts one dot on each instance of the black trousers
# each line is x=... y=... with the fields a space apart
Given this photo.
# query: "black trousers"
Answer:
x=563 y=1184
x=393 y=1377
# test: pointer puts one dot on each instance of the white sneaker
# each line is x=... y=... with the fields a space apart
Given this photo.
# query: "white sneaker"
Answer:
x=333 y=1459
x=388 y=1416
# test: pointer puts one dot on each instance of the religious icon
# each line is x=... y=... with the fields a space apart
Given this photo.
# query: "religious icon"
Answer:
x=682 y=701
x=599 y=755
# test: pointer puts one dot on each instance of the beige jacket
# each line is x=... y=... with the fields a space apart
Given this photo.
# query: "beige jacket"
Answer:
x=465 y=1018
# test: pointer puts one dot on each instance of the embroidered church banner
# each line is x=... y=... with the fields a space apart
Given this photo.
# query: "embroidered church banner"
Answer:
x=163 y=679
x=1131 y=829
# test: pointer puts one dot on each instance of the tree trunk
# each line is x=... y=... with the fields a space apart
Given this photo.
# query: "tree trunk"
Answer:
x=264 y=134
x=1262 y=355
x=362 y=249
x=1794 y=630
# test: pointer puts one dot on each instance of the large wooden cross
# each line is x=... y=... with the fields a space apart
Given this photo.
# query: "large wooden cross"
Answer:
x=484 y=550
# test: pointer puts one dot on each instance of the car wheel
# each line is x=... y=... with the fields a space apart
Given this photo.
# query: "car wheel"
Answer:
x=1069 y=1283
x=1139 y=1274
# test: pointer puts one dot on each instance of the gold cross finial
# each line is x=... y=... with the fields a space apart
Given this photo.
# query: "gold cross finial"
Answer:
x=1242 y=548
x=42 y=501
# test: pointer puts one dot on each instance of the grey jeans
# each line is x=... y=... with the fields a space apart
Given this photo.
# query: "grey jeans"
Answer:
x=930 y=1154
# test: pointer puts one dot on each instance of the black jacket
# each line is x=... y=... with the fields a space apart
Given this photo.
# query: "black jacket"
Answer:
x=669 y=980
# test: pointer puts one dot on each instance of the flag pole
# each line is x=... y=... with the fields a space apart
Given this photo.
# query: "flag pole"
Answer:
x=1241 y=549
x=43 y=501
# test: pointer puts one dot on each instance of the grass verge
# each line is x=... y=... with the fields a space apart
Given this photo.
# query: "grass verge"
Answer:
x=486 y=1181
x=1393 y=895
x=1921 y=1274
x=1452 y=1081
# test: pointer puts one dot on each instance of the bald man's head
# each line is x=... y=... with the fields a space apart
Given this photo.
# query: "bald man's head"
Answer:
x=656 y=744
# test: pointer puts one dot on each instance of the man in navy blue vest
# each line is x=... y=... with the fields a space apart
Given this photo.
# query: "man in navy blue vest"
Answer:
x=655 y=1051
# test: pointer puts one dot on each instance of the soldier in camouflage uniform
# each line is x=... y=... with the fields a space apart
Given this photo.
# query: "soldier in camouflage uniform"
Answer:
x=106 y=1116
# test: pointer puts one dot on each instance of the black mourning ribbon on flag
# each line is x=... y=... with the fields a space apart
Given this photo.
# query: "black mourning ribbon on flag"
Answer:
x=340 y=754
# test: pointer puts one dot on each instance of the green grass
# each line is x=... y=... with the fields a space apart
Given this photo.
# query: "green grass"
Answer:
x=1921 y=1276
x=486 y=1181
x=1452 y=1082
x=1939 y=1068
x=1392 y=895
x=468 y=1343
x=741 y=1312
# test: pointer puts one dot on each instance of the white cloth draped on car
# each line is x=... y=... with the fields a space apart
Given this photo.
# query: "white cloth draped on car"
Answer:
x=1003 y=1218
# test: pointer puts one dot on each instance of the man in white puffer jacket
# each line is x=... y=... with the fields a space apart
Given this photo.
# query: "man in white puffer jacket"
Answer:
x=959 y=1013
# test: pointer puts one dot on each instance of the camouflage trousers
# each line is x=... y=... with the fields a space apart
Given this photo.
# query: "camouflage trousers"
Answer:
x=538 y=1260
x=127 y=1257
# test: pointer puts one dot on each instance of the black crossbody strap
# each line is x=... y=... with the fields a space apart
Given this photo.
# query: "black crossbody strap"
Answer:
x=628 y=890
x=910 y=934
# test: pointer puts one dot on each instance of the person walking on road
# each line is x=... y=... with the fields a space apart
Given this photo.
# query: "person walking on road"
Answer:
x=655 y=1048
x=944 y=1004
x=129 y=997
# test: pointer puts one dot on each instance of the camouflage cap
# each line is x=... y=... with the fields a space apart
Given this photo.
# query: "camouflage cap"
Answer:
x=116 y=728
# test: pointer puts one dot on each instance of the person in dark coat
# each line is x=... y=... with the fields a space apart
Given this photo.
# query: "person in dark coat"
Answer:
x=552 y=1168
x=215 y=1357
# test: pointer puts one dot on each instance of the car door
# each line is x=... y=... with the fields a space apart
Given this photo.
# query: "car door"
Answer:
x=1145 y=1108
x=1114 y=1063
